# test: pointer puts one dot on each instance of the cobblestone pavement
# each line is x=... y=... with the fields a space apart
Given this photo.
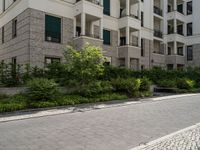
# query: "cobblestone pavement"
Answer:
x=115 y=128
x=188 y=139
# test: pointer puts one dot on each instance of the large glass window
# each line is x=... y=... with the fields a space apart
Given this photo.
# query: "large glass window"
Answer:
x=189 y=8
x=189 y=29
x=14 y=28
x=2 y=36
x=106 y=7
x=189 y=53
x=50 y=60
x=106 y=37
x=52 y=29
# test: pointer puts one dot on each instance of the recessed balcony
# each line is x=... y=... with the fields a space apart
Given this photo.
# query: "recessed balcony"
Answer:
x=88 y=7
x=129 y=51
x=158 y=11
x=158 y=33
x=130 y=21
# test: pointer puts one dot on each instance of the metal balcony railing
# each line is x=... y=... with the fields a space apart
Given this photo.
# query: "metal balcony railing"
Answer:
x=161 y=51
x=158 y=11
x=158 y=33
x=134 y=42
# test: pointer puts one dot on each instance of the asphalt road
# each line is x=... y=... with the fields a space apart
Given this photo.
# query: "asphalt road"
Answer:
x=116 y=128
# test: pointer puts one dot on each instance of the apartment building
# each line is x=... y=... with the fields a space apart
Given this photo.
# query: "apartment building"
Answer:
x=137 y=34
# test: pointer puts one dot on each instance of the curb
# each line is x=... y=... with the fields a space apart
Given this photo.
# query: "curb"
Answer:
x=152 y=143
x=37 y=113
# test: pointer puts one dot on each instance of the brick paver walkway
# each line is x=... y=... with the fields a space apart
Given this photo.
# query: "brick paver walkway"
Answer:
x=187 y=139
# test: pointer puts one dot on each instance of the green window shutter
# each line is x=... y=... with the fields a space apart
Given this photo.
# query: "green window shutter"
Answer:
x=53 y=29
x=106 y=5
x=106 y=37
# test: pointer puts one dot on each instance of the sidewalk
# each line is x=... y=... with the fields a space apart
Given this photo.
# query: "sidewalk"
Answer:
x=186 y=139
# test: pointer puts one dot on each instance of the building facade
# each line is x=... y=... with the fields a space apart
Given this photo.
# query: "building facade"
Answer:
x=137 y=34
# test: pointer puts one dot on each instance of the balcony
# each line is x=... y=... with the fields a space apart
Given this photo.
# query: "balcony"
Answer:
x=175 y=37
x=158 y=33
x=88 y=7
x=134 y=41
x=129 y=51
x=161 y=52
x=158 y=11
x=175 y=59
x=92 y=1
x=177 y=15
x=130 y=21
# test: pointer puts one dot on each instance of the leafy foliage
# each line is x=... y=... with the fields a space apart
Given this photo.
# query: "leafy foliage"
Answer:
x=85 y=65
x=42 y=89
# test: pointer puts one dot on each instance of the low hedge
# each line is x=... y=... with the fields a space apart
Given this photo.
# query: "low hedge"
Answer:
x=21 y=102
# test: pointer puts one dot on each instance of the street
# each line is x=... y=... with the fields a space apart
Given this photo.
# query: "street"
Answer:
x=116 y=128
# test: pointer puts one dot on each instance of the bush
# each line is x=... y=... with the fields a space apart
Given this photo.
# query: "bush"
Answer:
x=42 y=89
x=185 y=83
x=93 y=88
x=129 y=86
x=167 y=83
x=145 y=84
x=14 y=103
x=85 y=65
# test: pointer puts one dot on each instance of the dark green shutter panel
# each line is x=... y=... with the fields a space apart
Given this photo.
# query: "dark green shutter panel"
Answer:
x=106 y=37
x=53 y=28
x=106 y=5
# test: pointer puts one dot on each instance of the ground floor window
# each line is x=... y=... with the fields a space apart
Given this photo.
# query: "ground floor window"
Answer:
x=50 y=60
x=189 y=53
x=170 y=66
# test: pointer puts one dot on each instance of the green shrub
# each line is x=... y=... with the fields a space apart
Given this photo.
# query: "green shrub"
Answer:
x=3 y=96
x=145 y=84
x=128 y=86
x=42 y=89
x=14 y=103
x=167 y=83
x=185 y=83
x=93 y=88
x=42 y=104
x=109 y=97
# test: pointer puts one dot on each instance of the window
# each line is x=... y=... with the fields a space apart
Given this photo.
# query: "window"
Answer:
x=170 y=66
x=14 y=65
x=169 y=51
x=106 y=37
x=142 y=47
x=142 y=67
x=189 y=53
x=189 y=8
x=180 y=8
x=50 y=60
x=4 y=5
x=189 y=29
x=142 y=19
x=52 y=29
x=106 y=7
x=2 y=37
x=14 y=28
x=180 y=29
x=180 y=51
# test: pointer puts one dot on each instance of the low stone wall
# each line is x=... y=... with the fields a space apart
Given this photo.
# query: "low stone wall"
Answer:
x=18 y=90
x=12 y=90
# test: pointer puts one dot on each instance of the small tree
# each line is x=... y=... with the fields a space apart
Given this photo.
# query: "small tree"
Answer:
x=85 y=65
